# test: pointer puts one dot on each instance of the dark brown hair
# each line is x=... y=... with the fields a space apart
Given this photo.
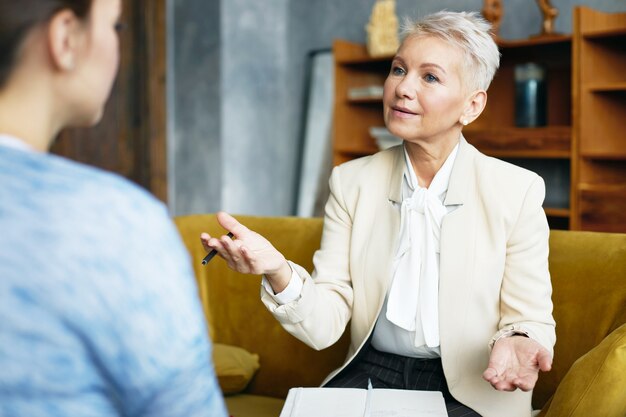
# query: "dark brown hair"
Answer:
x=18 y=17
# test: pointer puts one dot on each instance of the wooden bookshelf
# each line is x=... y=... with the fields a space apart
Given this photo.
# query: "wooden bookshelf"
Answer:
x=598 y=186
x=583 y=140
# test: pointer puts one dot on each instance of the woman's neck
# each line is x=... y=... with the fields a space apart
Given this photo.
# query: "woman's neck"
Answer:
x=428 y=157
x=25 y=113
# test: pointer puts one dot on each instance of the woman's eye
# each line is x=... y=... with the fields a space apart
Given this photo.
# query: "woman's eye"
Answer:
x=429 y=78
x=119 y=26
x=397 y=71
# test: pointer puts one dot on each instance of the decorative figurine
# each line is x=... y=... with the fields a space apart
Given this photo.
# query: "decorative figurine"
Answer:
x=382 y=29
x=549 y=14
x=492 y=11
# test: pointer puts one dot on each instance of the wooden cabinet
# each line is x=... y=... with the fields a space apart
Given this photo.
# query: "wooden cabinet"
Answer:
x=574 y=155
x=599 y=137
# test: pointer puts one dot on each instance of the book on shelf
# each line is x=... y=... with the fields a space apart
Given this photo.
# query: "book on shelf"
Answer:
x=356 y=402
x=368 y=91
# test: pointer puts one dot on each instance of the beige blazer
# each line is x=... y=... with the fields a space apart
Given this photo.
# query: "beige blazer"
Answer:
x=493 y=267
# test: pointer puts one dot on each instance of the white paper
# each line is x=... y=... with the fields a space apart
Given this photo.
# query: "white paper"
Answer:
x=406 y=403
x=322 y=402
x=351 y=402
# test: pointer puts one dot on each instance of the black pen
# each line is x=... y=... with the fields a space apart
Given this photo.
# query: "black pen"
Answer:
x=211 y=254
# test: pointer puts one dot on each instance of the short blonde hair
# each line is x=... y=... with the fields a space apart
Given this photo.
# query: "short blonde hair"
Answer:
x=469 y=32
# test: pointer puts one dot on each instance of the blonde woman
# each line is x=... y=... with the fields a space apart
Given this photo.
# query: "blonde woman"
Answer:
x=435 y=254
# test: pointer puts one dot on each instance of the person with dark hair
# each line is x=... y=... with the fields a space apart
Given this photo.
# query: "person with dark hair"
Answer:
x=93 y=321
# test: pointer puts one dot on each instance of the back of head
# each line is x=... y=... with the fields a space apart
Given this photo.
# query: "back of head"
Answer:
x=470 y=33
x=19 y=17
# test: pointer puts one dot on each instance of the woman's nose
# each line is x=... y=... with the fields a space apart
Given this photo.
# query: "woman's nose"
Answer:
x=406 y=89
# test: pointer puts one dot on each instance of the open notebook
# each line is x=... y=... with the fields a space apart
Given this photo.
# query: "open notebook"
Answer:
x=355 y=402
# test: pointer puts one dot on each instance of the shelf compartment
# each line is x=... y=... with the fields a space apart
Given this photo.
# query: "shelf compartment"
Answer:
x=602 y=207
x=611 y=53
x=355 y=79
x=512 y=142
x=594 y=171
x=500 y=109
x=602 y=125
x=556 y=174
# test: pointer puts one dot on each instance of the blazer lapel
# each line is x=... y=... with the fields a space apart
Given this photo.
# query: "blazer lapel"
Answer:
x=385 y=228
x=397 y=173
x=463 y=165
x=458 y=230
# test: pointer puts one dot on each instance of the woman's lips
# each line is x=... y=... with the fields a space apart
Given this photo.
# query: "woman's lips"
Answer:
x=403 y=112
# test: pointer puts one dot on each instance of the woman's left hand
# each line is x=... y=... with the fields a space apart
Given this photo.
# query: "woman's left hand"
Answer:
x=515 y=362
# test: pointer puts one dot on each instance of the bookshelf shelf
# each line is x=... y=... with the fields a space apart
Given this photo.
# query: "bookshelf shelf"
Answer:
x=607 y=87
x=557 y=212
x=515 y=142
x=617 y=32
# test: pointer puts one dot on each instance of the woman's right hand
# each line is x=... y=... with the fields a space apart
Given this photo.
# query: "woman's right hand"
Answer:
x=248 y=252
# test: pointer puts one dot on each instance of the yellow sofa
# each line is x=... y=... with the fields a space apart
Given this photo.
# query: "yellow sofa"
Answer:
x=589 y=279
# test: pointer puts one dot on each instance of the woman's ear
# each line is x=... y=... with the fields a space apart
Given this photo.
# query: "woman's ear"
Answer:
x=474 y=106
x=63 y=39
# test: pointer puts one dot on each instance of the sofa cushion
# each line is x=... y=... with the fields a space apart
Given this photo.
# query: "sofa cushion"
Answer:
x=245 y=405
x=594 y=385
x=234 y=367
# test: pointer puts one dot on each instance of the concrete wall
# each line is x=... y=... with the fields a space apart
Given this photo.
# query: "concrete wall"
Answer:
x=195 y=167
x=237 y=77
x=258 y=152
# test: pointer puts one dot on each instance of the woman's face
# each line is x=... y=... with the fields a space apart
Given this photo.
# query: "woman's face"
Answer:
x=98 y=61
x=423 y=96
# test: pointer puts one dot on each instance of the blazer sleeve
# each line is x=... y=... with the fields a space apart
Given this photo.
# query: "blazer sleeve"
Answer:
x=319 y=317
x=526 y=292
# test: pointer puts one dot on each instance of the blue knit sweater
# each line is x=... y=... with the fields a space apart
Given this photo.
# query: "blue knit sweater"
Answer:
x=99 y=313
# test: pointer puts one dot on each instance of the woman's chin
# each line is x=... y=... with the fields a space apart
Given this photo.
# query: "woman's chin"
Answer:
x=88 y=120
x=96 y=119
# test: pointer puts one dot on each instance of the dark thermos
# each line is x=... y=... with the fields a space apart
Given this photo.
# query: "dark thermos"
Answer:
x=530 y=95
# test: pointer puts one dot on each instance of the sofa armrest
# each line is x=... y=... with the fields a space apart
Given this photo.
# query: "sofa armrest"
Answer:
x=595 y=383
x=588 y=271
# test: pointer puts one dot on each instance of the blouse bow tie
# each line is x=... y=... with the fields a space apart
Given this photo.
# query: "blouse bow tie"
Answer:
x=414 y=289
